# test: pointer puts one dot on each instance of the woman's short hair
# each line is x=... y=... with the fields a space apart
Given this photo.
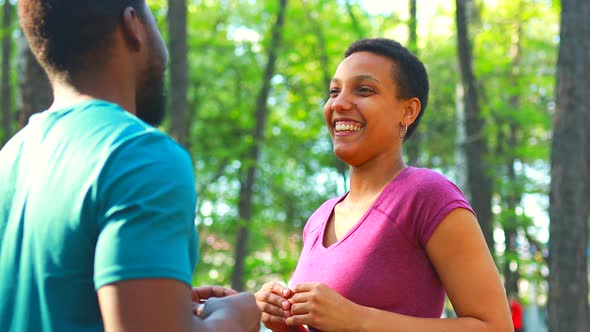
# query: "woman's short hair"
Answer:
x=408 y=72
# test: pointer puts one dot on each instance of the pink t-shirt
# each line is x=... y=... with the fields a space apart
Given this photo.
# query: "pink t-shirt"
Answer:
x=381 y=262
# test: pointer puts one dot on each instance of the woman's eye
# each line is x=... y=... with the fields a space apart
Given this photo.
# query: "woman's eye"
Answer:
x=365 y=90
x=334 y=92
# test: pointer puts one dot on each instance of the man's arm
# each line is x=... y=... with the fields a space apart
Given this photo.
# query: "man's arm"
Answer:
x=165 y=305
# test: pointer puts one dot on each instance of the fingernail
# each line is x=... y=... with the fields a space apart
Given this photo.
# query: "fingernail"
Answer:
x=200 y=309
x=286 y=304
x=287 y=314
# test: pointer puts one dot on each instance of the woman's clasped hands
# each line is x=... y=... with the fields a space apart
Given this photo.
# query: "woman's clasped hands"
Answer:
x=312 y=304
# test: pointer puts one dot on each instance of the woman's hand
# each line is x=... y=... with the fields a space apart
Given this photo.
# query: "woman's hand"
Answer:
x=273 y=301
x=318 y=305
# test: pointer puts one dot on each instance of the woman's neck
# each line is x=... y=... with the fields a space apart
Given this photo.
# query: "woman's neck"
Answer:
x=369 y=180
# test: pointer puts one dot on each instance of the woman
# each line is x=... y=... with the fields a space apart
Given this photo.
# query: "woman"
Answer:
x=381 y=257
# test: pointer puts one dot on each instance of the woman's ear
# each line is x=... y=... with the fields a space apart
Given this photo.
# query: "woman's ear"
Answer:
x=411 y=110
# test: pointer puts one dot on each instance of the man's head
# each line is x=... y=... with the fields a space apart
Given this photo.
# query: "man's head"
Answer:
x=73 y=39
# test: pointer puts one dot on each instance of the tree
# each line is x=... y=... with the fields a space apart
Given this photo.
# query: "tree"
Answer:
x=357 y=26
x=413 y=145
x=35 y=91
x=177 y=20
x=476 y=149
x=322 y=46
x=247 y=184
x=518 y=69
x=507 y=146
x=6 y=61
x=570 y=175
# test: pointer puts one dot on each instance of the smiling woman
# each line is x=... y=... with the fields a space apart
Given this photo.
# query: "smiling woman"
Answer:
x=382 y=256
x=364 y=97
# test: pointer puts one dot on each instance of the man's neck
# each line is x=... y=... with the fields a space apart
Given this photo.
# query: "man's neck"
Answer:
x=65 y=97
x=66 y=93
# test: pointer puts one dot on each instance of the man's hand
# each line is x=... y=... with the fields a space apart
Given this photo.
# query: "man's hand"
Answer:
x=203 y=293
x=164 y=305
x=207 y=292
x=239 y=309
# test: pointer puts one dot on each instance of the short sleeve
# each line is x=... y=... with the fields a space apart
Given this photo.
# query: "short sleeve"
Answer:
x=146 y=212
x=437 y=197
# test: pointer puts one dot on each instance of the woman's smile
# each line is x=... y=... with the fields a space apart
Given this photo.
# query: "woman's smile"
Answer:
x=346 y=127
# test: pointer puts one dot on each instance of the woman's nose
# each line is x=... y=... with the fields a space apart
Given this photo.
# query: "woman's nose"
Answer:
x=342 y=102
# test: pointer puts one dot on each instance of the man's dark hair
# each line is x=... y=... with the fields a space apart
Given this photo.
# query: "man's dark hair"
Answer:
x=66 y=35
x=408 y=71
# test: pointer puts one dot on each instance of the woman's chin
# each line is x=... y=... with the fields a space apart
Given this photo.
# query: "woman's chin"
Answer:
x=348 y=156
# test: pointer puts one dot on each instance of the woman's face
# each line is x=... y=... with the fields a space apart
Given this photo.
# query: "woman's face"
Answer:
x=363 y=113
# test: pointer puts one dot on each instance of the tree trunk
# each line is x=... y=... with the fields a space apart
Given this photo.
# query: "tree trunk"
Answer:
x=510 y=223
x=177 y=20
x=479 y=181
x=355 y=23
x=339 y=165
x=247 y=186
x=570 y=175
x=6 y=86
x=35 y=92
x=413 y=28
x=514 y=194
x=413 y=144
x=460 y=154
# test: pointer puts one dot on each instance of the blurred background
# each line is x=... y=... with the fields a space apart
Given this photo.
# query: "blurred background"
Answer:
x=247 y=81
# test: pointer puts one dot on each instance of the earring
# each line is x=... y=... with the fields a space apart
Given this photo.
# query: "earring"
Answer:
x=403 y=130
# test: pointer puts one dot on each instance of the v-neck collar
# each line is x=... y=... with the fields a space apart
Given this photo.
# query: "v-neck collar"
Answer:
x=361 y=220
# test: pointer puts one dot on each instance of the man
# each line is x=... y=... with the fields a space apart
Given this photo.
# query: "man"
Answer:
x=96 y=205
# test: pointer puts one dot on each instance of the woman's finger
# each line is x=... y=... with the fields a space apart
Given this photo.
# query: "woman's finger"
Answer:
x=300 y=308
x=272 y=319
x=278 y=288
x=268 y=297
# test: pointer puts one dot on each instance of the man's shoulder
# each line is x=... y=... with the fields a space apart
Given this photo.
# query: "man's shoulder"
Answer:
x=101 y=134
x=102 y=124
x=101 y=116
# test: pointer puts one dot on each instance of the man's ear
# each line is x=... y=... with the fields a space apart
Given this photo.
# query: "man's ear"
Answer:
x=411 y=110
x=132 y=28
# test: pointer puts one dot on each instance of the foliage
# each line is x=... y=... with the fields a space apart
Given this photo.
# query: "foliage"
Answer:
x=227 y=45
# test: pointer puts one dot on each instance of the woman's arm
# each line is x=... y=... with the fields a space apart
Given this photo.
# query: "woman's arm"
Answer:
x=461 y=258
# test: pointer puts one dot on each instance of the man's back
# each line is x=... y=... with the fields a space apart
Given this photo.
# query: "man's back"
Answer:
x=89 y=195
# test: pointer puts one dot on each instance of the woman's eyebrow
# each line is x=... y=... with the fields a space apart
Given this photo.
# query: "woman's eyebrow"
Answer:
x=361 y=77
x=364 y=77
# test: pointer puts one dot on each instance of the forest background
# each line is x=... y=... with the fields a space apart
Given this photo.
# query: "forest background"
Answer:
x=247 y=81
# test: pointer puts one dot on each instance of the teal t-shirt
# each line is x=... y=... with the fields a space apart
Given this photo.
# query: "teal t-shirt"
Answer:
x=89 y=195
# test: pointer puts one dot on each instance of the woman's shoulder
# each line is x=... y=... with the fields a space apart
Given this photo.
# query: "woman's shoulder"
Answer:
x=425 y=180
x=418 y=177
x=425 y=174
